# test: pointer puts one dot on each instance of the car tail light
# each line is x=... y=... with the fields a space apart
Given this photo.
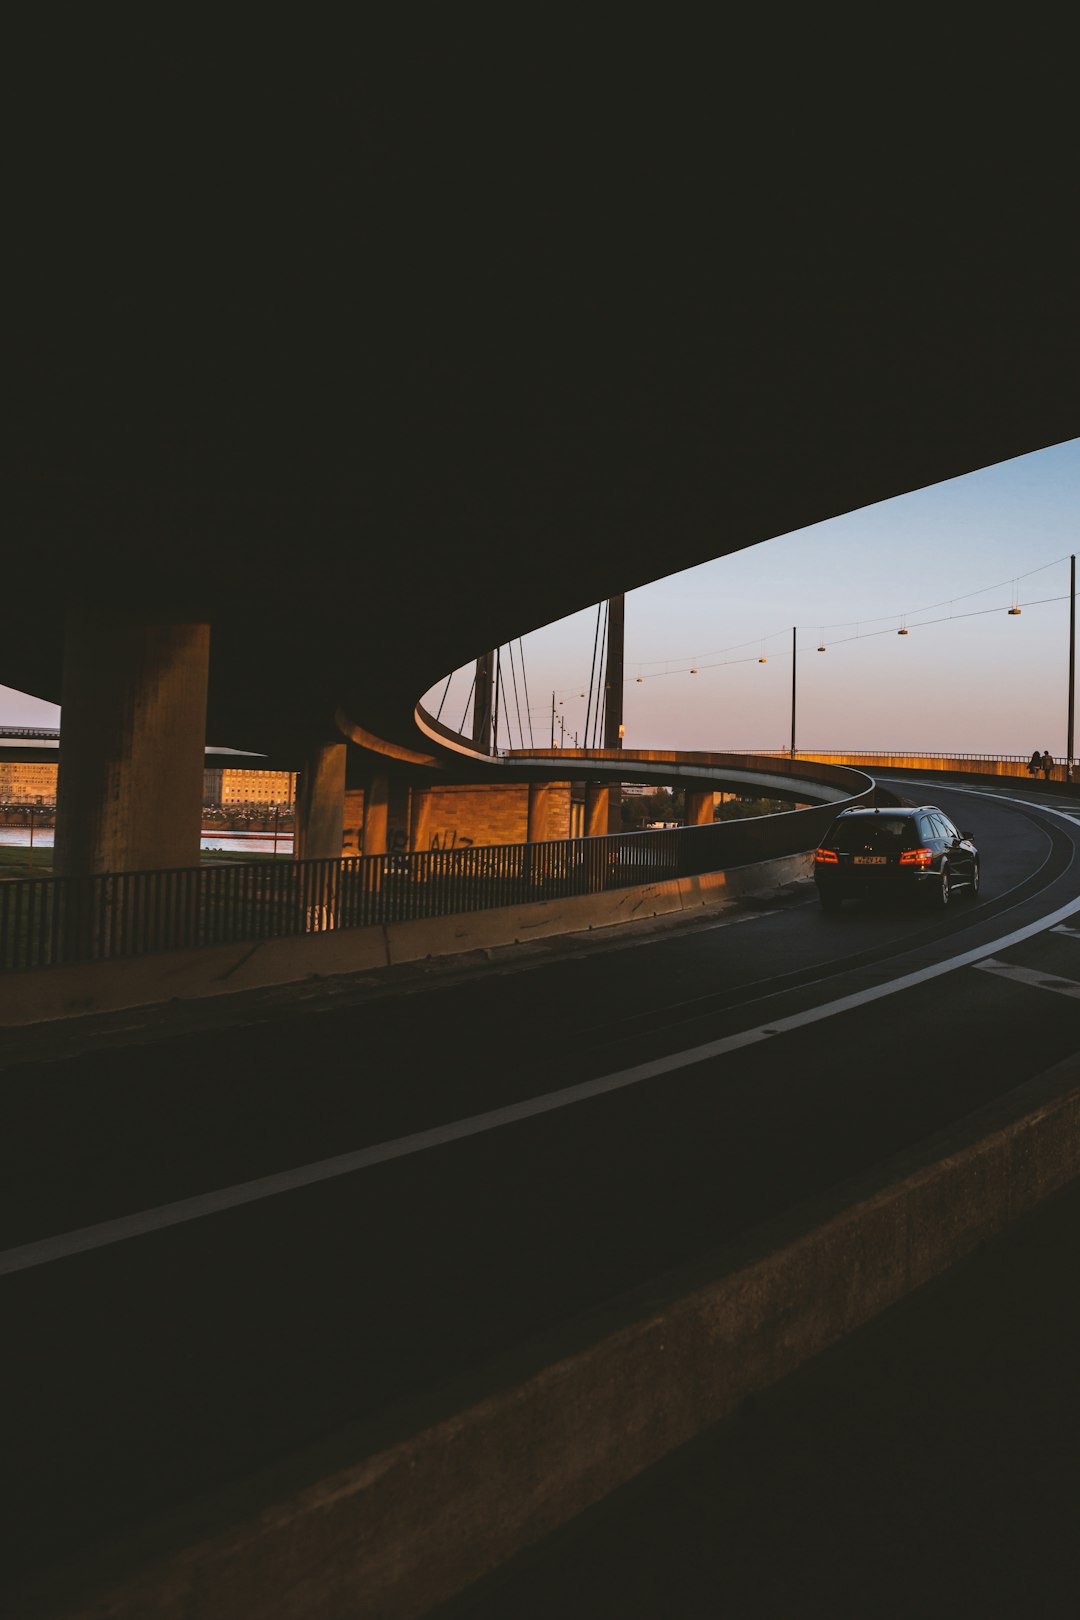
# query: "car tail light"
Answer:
x=916 y=857
x=822 y=857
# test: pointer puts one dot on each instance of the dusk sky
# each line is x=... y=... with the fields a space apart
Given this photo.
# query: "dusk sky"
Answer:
x=988 y=683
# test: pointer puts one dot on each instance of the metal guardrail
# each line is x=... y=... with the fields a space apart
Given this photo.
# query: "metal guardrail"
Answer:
x=1001 y=766
x=810 y=754
x=47 y=922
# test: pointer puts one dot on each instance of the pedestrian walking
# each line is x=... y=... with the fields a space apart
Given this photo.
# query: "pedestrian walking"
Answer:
x=1047 y=766
x=1035 y=763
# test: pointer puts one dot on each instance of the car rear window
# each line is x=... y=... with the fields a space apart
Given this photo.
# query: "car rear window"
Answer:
x=853 y=834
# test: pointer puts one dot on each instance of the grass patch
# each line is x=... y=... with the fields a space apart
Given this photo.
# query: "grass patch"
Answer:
x=241 y=857
x=15 y=861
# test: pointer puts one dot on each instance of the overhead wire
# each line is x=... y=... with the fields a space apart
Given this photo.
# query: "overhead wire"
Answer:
x=964 y=596
x=975 y=613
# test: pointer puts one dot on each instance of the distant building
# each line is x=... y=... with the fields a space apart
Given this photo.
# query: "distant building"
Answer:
x=254 y=787
x=27 y=784
x=36 y=784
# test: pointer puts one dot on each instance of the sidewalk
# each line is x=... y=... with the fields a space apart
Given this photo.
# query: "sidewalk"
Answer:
x=927 y=1466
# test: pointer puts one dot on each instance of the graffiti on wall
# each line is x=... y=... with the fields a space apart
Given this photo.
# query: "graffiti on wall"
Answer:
x=450 y=838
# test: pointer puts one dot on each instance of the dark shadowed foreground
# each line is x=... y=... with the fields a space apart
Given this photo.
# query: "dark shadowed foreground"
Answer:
x=926 y=1466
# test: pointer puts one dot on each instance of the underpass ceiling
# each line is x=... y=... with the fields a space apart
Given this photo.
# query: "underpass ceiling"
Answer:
x=374 y=414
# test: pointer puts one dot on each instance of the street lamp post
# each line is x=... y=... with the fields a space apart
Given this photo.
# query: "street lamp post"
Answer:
x=1072 y=665
x=793 y=661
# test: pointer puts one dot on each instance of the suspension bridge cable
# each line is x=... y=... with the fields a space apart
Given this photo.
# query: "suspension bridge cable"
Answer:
x=517 y=701
x=525 y=686
x=601 y=694
x=502 y=695
x=468 y=700
x=446 y=693
x=592 y=671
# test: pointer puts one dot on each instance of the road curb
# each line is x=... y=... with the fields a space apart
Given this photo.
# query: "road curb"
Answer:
x=386 y=1521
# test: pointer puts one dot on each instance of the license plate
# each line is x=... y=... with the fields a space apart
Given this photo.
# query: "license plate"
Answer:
x=870 y=860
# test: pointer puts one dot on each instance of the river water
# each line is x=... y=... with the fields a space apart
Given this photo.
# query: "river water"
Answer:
x=234 y=843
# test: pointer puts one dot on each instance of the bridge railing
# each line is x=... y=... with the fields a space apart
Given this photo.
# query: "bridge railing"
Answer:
x=992 y=764
x=52 y=921
x=875 y=753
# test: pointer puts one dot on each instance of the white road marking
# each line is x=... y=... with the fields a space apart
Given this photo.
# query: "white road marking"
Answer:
x=1073 y=933
x=65 y=1244
x=1031 y=976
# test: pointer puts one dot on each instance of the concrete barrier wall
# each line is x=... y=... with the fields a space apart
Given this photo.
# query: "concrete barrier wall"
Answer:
x=386 y=1523
x=93 y=987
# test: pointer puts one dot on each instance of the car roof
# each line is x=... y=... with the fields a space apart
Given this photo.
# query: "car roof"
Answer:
x=892 y=810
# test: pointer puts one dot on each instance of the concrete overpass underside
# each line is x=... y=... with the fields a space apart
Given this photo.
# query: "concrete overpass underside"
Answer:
x=312 y=409
x=441 y=388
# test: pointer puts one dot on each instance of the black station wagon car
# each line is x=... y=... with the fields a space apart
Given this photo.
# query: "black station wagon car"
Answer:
x=874 y=851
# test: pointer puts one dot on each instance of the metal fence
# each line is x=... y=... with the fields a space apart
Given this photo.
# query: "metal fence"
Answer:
x=51 y=921
x=810 y=754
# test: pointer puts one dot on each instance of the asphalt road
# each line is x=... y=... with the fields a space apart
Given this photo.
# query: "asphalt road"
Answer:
x=152 y=1367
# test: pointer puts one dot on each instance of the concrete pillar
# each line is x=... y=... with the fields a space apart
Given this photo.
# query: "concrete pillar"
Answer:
x=596 y=810
x=376 y=815
x=132 y=743
x=419 y=818
x=354 y=821
x=613 y=690
x=615 y=808
x=320 y=804
x=699 y=808
x=541 y=797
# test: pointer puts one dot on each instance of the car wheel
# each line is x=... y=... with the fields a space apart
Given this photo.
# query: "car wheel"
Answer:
x=942 y=891
x=830 y=901
x=975 y=881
